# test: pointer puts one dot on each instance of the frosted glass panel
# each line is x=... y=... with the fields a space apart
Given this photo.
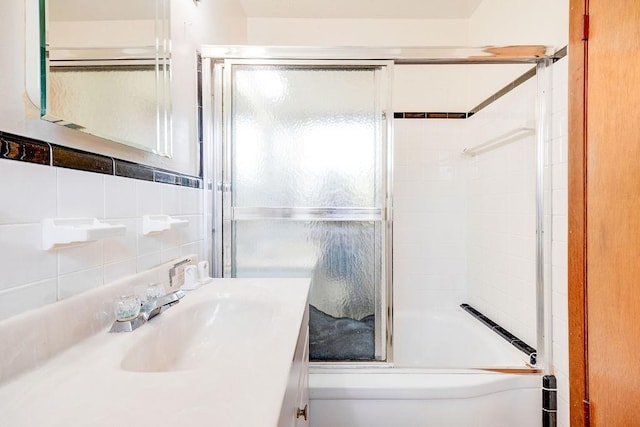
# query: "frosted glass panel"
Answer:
x=305 y=158
x=304 y=137
x=340 y=257
x=87 y=98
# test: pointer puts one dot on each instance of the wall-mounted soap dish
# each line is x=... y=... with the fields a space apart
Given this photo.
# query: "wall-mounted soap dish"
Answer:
x=60 y=232
x=157 y=223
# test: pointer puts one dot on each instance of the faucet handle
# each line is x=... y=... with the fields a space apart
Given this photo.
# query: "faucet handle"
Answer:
x=127 y=307
x=154 y=290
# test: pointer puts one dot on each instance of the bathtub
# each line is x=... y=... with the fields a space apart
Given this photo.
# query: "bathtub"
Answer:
x=430 y=383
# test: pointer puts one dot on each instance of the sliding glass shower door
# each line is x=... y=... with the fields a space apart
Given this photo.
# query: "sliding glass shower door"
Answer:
x=305 y=192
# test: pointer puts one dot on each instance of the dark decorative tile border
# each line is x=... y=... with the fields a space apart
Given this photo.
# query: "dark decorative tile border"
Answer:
x=64 y=157
x=133 y=170
x=500 y=93
x=430 y=115
x=549 y=401
x=16 y=147
x=24 y=149
x=513 y=340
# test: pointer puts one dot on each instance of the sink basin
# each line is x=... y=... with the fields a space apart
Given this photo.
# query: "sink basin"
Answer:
x=195 y=338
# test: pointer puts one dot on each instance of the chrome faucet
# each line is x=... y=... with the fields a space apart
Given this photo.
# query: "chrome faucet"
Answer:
x=150 y=309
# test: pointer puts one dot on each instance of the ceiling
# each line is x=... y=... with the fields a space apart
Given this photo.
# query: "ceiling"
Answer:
x=361 y=9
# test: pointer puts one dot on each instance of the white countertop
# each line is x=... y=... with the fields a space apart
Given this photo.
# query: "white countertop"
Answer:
x=241 y=383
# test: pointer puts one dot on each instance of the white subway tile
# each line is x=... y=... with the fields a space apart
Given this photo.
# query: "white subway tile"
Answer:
x=560 y=228
x=149 y=198
x=193 y=231
x=147 y=261
x=119 y=270
x=559 y=201
x=171 y=199
x=27 y=297
x=120 y=197
x=80 y=257
x=147 y=243
x=191 y=201
x=80 y=194
x=79 y=281
x=23 y=260
x=121 y=248
x=28 y=192
x=170 y=253
x=196 y=248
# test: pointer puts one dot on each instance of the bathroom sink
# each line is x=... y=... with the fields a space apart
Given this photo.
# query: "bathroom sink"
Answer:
x=199 y=336
x=222 y=356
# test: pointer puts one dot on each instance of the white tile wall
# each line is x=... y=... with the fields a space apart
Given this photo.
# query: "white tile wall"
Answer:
x=33 y=277
x=464 y=229
x=429 y=235
x=502 y=227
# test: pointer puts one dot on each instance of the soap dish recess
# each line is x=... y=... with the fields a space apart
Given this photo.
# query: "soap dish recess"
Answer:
x=156 y=223
x=58 y=232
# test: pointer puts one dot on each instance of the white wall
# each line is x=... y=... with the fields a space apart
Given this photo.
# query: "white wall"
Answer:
x=520 y=22
x=494 y=22
x=208 y=22
x=449 y=88
x=357 y=32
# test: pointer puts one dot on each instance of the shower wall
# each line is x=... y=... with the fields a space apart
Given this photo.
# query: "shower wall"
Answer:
x=501 y=238
x=464 y=228
x=430 y=203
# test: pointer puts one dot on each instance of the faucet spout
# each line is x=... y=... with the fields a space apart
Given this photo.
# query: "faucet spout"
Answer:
x=157 y=305
x=149 y=310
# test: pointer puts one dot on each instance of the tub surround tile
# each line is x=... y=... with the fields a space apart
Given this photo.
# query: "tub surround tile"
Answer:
x=504 y=333
x=549 y=401
x=430 y=115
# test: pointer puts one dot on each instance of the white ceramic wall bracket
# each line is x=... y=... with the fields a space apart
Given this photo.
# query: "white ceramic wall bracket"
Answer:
x=59 y=232
x=157 y=223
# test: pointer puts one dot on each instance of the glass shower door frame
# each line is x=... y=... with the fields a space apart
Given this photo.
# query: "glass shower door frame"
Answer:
x=225 y=213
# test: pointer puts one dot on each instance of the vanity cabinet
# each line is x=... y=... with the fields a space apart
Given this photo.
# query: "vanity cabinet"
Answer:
x=295 y=404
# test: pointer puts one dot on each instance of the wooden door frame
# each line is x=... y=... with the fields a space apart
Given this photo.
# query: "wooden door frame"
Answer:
x=577 y=214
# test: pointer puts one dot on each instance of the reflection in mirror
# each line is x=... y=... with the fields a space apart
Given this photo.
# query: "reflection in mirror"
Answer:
x=107 y=69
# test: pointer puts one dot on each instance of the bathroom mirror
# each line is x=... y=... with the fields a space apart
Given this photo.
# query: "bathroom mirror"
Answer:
x=105 y=69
